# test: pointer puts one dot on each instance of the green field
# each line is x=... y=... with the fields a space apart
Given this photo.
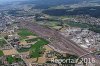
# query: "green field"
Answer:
x=31 y=40
x=23 y=33
x=94 y=28
x=76 y=24
x=2 y=42
x=39 y=44
x=1 y=53
x=23 y=50
x=37 y=48
x=64 y=17
x=11 y=59
x=27 y=49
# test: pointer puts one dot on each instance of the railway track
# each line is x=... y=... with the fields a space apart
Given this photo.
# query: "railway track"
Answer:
x=59 y=42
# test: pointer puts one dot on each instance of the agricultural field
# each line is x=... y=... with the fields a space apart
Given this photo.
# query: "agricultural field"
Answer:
x=94 y=28
x=23 y=33
x=36 y=43
x=23 y=50
x=31 y=40
x=2 y=42
x=1 y=53
x=37 y=49
x=10 y=52
x=74 y=24
x=64 y=17
x=11 y=59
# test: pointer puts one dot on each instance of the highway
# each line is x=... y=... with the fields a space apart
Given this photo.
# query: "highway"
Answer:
x=58 y=42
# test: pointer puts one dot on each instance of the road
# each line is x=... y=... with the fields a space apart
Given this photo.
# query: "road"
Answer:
x=58 y=42
x=16 y=52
